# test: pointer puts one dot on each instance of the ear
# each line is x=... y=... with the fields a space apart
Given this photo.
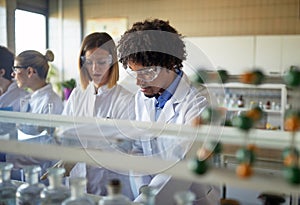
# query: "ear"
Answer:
x=2 y=72
x=31 y=71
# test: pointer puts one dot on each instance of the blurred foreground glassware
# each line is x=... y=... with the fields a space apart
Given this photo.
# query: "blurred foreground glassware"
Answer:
x=56 y=192
x=114 y=195
x=78 y=197
x=149 y=194
x=184 y=198
x=7 y=188
x=29 y=192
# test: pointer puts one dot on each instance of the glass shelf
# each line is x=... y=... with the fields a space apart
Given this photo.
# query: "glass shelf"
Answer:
x=93 y=140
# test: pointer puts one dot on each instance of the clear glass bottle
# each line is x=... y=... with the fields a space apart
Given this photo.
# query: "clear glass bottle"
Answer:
x=148 y=195
x=7 y=188
x=184 y=198
x=78 y=196
x=55 y=193
x=114 y=195
x=29 y=192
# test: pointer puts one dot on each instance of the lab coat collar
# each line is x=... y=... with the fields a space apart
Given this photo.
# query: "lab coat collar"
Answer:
x=101 y=90
x=42 y=90
x=12 y=86
x=168 y=112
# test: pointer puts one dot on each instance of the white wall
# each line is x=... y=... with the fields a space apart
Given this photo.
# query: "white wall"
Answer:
x=272 y=53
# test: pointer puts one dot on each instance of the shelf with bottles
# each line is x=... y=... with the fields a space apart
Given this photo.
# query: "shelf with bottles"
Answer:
x=245 y=109
x=240 y=97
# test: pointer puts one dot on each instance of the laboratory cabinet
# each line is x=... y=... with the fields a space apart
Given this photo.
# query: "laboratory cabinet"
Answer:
x=98 y=141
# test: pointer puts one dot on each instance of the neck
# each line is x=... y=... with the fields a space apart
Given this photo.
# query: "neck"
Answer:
x=37 y=85
x=170 y=76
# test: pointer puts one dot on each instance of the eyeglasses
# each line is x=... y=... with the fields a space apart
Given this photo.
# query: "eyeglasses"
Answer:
x=15 y=68
x=146 y=74
x=101 y=62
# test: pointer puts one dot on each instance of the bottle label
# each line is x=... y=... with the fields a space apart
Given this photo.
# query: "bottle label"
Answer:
x=27 y=202
x=7 y=201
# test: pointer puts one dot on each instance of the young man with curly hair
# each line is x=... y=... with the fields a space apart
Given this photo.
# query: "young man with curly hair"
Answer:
x=153 y=52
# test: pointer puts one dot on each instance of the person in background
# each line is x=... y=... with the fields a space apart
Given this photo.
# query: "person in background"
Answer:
x=30 y=72
x=99 y=95
x=153 y=51
x=10 y=93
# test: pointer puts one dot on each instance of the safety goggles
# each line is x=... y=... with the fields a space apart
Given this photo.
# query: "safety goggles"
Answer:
x=146 y=74
x=100 y=62
x=16 y=69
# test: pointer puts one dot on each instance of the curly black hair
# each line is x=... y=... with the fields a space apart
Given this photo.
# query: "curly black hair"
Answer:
x=152 y=43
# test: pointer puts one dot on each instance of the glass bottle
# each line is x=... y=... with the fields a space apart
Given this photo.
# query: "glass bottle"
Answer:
x=148 y=194
x=7 y=189
x=184 y=198
x=114 y=195
x=55 y=193
x=29 y=192
x=272 y=198
x=78 y=196
x=240 y=102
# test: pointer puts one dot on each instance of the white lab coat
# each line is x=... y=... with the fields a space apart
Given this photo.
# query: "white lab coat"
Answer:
x=10 y=101
x=114 y=103
x=11 y=98
x=42 y=101
x=186 y=103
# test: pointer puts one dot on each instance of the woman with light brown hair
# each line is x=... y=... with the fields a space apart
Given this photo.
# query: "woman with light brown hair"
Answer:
x=99 y=95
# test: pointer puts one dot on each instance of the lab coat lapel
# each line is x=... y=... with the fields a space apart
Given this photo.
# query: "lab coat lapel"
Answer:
x=91 y=100
x=150 y=109
x=170 y=112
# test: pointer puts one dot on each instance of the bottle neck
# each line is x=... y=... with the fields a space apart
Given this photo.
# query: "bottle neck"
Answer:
x=184 y=198
x=32 y=178
x=5 y=176
x=55 y=181
x=149 y=194
x=150 y=199
x=77 y=191
x=113 y=190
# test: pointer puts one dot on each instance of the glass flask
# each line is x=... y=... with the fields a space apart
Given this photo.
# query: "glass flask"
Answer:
x=114 y=195
x=148 y=195
x=184 y=198
x=29 y=192
x=78 y=196
x=7 y=189
x=56 y=192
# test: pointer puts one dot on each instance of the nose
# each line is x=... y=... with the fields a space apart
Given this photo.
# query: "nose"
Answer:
x=94 y=66
x=139 y=82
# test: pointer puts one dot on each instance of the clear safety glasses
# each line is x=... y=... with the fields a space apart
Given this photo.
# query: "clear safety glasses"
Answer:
x=145 y=74
x=16 y=69
x=99 y=62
